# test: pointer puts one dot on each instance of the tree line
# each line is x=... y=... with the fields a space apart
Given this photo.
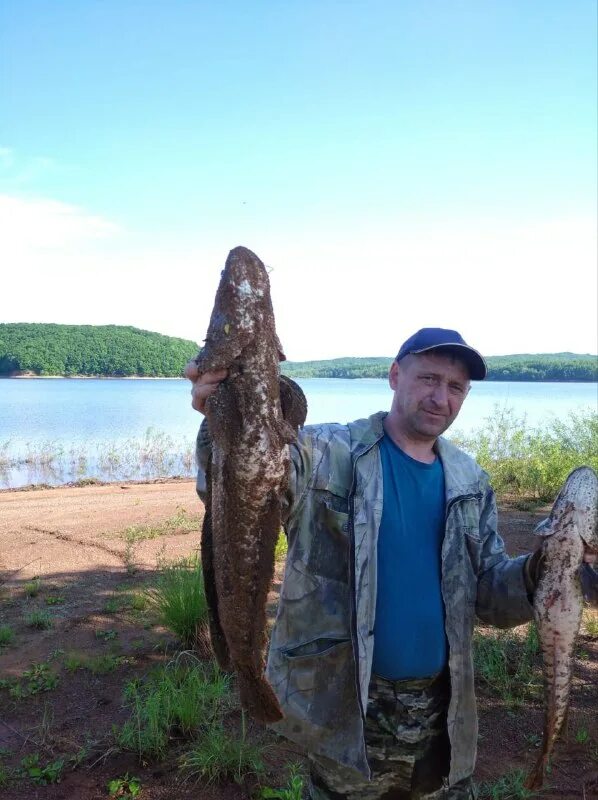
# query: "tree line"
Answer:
x=103 y=350
x=120 y=351
x=545 y=367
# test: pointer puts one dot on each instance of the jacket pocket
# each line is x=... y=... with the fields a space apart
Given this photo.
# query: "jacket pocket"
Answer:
x=320 y=682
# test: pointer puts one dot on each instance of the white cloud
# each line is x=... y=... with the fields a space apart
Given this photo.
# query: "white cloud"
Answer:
x=507 y=286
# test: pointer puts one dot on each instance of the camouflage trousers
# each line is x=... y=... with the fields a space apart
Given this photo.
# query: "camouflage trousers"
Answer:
x=407 y=747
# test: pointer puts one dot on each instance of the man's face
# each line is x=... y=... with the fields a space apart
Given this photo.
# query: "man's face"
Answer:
x=429 y=390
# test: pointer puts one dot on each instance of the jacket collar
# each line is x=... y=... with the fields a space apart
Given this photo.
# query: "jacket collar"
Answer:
x=461 y=473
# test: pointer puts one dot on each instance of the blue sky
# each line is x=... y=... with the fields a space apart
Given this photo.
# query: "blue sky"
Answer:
x=396 y=164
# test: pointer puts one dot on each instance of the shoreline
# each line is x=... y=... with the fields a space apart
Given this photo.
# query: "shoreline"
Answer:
x=86 y=483
x=295 y=377
x=93 y=377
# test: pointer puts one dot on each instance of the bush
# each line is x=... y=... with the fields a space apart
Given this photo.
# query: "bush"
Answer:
x=528 y=462
x=505 y=662
x=179 y=599
x=218 y=756
x=173 y=698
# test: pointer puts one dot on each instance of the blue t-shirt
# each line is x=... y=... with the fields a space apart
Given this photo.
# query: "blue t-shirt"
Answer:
x=409 y=636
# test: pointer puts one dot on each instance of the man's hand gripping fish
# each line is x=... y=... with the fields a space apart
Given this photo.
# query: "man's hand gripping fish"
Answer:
x=558 y=600
x=247 y=474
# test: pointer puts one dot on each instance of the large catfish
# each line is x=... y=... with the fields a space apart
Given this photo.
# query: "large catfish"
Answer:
x=558 y=600
x=247 y=473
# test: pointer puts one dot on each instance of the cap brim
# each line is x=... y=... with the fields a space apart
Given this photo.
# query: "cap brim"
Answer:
x=475 y=363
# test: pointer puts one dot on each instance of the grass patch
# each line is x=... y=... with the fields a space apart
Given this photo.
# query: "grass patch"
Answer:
x=590 y=623
x=532 y=463
x=40 y=620
x=177 y=698
x=179 y=599
x=280 y=552
x=54 y=600
x=181 y=522
x=38 y=678
x=98 y=665
x=506 y=664
x=126 y=788
x=508 y=787
x=219 y=756
x=32 y=588
x=293 y=790
x=7 y=635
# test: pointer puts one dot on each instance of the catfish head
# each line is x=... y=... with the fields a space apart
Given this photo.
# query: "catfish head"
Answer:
x=578 y=500
x=242 y=312
x=577 y=505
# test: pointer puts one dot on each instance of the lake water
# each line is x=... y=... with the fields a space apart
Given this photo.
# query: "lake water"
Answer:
x=55 y=430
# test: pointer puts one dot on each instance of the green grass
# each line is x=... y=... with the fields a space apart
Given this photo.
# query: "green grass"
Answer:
x=532 y=463
x=98 y=665
x=38 y=678
x=280 y=553
x=7 y=635
x=293 y=790
x=590 y=623
x=505 y=662
x=508 y=787
x=181 y=522
x=179 y=697
x=40 y=620
x=32 y=588
x=125 y=788
x=54 y=600
x=219 y=756
x=179 y=599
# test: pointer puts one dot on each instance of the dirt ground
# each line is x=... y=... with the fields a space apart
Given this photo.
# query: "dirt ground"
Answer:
x=66 y=552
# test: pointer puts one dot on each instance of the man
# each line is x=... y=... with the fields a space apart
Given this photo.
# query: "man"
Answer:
x=392 y=551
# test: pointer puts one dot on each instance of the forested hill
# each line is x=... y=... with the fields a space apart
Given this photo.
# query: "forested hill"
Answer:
x=117 y=351
x=524 y=367
x=104 y=350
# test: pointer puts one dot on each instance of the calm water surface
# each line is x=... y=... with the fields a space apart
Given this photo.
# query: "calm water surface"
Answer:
x=54 y=430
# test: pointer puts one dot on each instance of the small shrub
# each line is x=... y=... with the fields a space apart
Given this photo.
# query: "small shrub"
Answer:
x=51 y=773
x=171 y=698
x=590 y=622
x=98 y=665
x=505 y=662
x=40 y=620
x=292 y=791
x=280 y=553
x=582 y=736
x=218 y=756
x=528 y=462
x=106 y=636
x=179 y=599
x=508 y=787
x=125 y=788
x=7 y=635
x=32 y=588
x=54 y=600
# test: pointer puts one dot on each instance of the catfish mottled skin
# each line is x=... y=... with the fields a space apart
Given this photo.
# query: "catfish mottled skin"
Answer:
x=247 y=473
x=558 y=599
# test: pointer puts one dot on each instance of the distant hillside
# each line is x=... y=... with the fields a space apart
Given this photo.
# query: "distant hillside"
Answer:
x=522 y=367
x=118 y=351
x=104 y=350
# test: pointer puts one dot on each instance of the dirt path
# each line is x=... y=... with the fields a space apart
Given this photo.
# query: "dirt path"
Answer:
x=82 y=555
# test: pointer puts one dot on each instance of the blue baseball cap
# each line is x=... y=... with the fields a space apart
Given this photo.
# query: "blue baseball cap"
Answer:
x=442 y=338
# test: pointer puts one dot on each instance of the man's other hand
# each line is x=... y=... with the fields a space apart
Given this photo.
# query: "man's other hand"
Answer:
x=203 y=385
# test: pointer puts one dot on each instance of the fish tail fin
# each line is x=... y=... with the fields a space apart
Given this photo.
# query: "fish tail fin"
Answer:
x=257 y=697
x=535 y=779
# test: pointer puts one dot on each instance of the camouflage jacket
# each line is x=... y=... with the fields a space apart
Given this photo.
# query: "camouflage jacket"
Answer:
x=321 y=648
